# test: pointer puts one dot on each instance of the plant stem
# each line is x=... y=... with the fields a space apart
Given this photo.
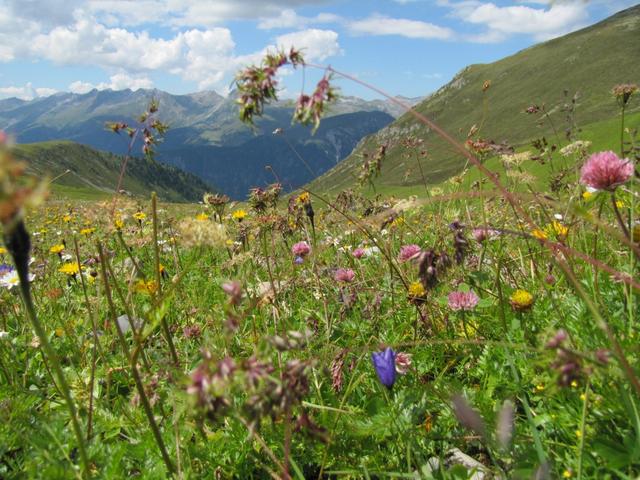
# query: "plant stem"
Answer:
x=134 y=369
x=156 y=251
x=624 y=228
x=23 y=274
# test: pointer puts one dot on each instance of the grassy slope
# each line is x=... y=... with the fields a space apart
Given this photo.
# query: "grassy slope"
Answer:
x=94 y=174
x=589 y=62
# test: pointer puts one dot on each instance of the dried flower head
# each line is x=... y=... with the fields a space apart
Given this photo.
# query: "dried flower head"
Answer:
x=624 y=92
x=196 y=233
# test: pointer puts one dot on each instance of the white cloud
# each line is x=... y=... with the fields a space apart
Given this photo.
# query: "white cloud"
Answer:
x=288 y=18
x=316 y=45
x=26 y=92
x=187 y=13
x=382 y=25
x=119 y=81
x=542 y=23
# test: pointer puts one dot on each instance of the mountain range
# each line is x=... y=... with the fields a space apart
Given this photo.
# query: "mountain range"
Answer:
x=205 y=135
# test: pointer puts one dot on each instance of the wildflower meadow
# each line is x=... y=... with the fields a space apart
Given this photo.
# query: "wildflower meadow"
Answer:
x=487 y=328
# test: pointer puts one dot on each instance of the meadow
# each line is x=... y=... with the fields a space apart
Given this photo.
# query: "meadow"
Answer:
x=485 y=327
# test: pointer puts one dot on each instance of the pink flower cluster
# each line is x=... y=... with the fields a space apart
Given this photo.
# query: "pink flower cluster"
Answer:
x=408 y=252
x=606 y=171
x=301 y=249
x=463 y=301
x=344 y=275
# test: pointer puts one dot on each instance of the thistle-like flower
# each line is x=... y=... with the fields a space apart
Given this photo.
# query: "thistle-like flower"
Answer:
x=606 y=171
x=463 y=301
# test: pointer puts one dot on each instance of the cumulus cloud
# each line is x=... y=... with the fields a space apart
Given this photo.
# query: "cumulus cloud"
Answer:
x=382 y=25
x=26 y=92
x=119 y=81
x=550 y=20
x=316 y=45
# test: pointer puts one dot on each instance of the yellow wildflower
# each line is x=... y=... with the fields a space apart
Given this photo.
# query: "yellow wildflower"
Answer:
x=567 y=474
x=587 y=195
x=540 y=387
x=87 y=231
x=416 y=290
x=202 y=217
x=620 y=204
x=578 y=433
x=147 y=288
x=303 y=197
x=66 y=218
x=539 y=234
x=521 y=300
x=3 y=250
x=561 y=231
x=118 y=223
x=239 y=215
x=59 y=332
x=140 y=216
x=57 y=248
x=70 y=268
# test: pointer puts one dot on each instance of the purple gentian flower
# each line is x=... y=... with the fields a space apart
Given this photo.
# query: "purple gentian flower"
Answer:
x=385 y=365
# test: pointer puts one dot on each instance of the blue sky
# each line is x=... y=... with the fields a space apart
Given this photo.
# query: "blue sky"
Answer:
x=406 y=47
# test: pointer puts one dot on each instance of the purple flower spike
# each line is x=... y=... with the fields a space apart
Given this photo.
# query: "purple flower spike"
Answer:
x=385 y=365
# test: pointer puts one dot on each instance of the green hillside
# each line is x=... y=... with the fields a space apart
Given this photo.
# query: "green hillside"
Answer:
x=79 y=171
x=588 y=63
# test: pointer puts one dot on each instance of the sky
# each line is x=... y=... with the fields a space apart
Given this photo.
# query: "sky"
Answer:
x=404 y=47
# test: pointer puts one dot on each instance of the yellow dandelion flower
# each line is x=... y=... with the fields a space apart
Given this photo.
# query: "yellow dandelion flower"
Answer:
x=539 y=234
x=202 y=217
x=140 y=216
x=67 y=218
x=303 y=197
x=416 y=290
x=70 y=268
x=521 y=300
x=239 y=215
x=587 y=195
x=3 y=250
x=620 y=204
x=57 y=248
x=118 y=223
x=87 y=231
